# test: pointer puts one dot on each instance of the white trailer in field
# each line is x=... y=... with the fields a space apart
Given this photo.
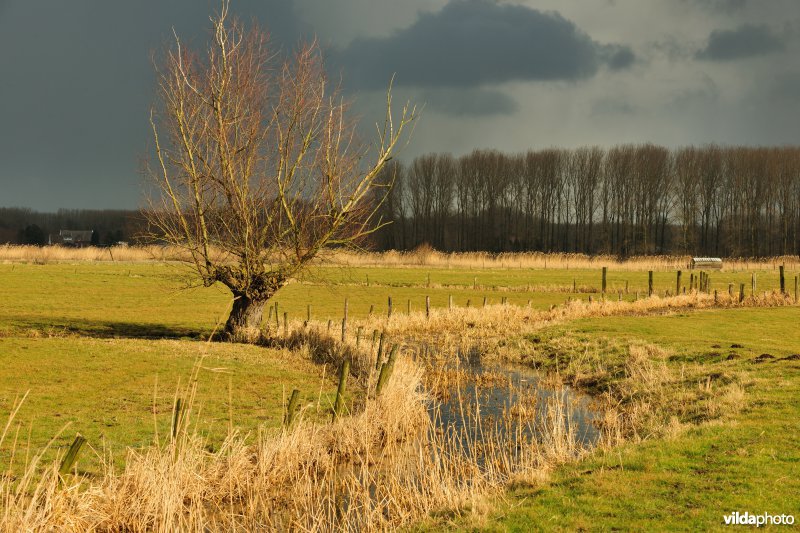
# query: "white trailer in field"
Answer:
x=712 y=263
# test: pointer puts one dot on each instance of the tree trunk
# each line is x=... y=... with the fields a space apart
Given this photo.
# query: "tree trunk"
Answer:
x=244 y=322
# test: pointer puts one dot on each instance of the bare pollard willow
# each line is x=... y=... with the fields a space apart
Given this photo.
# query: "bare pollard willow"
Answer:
x=258 y=168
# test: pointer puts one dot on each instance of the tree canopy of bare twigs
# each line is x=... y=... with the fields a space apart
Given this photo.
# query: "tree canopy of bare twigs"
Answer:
x=257 y=168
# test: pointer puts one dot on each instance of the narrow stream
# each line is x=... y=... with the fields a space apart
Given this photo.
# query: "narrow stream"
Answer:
x=488 y=421
x=512 y=401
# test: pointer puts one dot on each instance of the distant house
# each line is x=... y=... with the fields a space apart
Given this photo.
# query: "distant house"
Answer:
x=76 y=238
x=707 y=262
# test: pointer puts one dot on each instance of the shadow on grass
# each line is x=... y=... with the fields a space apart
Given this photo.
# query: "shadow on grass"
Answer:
x=109 y=329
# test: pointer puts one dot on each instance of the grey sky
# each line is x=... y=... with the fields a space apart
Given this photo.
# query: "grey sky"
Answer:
x=76 y=79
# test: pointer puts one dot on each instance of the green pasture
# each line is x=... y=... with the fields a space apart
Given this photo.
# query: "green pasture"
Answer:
x=120 y=392
x=745 y=462
x=521 y=279
x=102 y=348
x=161 y=300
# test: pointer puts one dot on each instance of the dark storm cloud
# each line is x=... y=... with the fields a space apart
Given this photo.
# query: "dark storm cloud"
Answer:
x=617 y=57
x=77 y=83
x=471 y=43
x=747 y=40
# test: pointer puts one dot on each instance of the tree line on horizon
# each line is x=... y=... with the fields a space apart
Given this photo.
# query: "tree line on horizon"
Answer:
x=26 y=226
x=625 y=200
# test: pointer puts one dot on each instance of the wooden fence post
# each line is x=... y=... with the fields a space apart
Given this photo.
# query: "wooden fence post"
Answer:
x=291 y=409
x=343 y=372
x=783 y=280
x=741 y=292
x=650 y=283
x=380 y=351
x=285 y=324
x=605 y=272
x=678 y=283
x=375 y=334
x=427 y=307
x=386 y=370
x=72 y=455
x=389 y=312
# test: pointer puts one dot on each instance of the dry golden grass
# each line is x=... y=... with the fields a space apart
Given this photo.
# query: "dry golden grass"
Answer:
x=392 y=258
x=470 y=327
x=376 y=470
x=54 y=254
x=540 y=260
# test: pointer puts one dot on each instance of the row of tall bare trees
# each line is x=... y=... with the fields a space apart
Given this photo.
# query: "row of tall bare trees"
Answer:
x=629 y=199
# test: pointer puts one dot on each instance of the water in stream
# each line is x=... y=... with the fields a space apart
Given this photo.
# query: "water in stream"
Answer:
x=511 y=402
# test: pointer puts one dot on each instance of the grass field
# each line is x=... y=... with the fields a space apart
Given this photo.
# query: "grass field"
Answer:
x=749 y=461
x=101 y=348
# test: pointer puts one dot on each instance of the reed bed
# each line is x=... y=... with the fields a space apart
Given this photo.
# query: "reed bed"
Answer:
x=55 y=254
x=540 y=260
x=478 y=327
x=421 y=257
x=382 y=468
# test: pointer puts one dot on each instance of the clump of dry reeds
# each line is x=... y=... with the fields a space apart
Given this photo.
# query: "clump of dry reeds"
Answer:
x=461 y=327
x=421 y=256
x=55 y=254
x=427 y=256
x=379 y=469
x=652 y=400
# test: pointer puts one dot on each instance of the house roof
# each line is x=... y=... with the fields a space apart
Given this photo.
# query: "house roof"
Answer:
x=72 y=235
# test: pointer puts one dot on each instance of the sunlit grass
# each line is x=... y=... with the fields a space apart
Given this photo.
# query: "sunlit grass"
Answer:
x=745 y=461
